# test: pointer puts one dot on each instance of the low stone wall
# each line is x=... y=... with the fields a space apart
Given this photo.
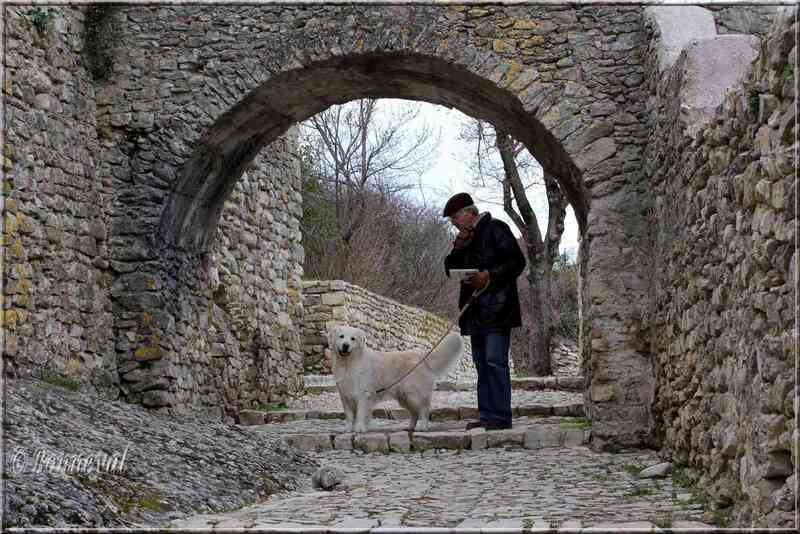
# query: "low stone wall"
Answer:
x=725 y=265
x=389 y=324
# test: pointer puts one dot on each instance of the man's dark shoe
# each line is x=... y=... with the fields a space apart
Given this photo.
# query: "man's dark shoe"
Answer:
x=475 y=424
x=496 y=425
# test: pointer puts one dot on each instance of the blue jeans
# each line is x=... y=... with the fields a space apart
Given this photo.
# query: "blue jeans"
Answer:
x=490 y=354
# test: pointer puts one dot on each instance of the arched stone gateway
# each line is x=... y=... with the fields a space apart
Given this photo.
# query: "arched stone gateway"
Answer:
x=231 y=80
x=152 y=200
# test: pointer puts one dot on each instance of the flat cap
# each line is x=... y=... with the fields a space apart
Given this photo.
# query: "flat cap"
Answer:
x=457 y=202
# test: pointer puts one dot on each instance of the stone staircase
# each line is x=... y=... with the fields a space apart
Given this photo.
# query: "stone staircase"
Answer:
x=535 y=425
x=316 y=384
x=395 y=438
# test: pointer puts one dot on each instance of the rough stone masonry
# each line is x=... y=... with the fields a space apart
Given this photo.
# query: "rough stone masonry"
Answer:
x=152 y=200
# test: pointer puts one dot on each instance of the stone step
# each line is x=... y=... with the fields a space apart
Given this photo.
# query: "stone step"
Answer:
x=260 y=417
x=316 y=384
x=397 y=439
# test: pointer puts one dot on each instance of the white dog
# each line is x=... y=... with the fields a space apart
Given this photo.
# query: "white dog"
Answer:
x=361 y=371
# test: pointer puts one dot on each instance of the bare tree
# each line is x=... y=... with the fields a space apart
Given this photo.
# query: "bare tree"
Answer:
x=515 y=175
x=360 y=160
x=358 y=149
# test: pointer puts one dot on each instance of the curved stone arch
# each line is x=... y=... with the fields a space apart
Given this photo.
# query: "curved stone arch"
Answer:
x=230 y=144
x=574 y=96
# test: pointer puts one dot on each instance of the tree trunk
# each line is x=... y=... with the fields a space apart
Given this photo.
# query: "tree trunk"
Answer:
x=539 y=341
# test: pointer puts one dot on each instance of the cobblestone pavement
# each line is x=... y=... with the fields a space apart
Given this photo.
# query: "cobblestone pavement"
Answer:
x=507 y=487
x=511 y=488
x=331 y=401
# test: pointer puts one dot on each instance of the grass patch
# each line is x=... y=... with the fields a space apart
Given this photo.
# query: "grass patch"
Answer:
x=57 y=379
x=579 y=422
x=127 y=498
x=680 y=478
x=272 y=407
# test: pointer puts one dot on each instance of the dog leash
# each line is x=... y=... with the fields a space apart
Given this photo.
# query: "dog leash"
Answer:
x=446 y=332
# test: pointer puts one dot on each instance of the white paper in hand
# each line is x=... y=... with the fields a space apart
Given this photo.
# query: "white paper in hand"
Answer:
x=463 y=273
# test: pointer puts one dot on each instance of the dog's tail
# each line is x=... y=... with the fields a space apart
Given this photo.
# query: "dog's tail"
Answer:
x=444 y=357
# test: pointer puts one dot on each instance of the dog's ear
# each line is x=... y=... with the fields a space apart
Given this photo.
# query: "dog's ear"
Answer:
x=332 y=336
x=362 y=339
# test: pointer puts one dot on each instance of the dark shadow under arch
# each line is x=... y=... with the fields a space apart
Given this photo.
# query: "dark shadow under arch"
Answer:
x=222 y=154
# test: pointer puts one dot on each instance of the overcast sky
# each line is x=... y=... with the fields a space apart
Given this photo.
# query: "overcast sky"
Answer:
x=449 y=175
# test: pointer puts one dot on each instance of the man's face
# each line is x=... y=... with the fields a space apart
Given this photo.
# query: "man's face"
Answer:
x=461 y=219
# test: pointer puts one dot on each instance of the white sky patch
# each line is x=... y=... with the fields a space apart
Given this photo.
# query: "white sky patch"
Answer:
x=449 y=175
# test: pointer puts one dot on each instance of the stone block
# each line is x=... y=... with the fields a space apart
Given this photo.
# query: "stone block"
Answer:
x=573 y=409
x=284 y=416
x=710 y=67
x=371 y=442
x=540 y=437
x=677 y=26
x=439 y=440
x=381 y=413
x=571 y=437
x=571 y=383
x=399 y=442
x=445 y=413
x=251 y=417
x=511 y=436
x=343 y=441
x=656 y=471
x=478 y=439
x=398 y=413
x=334 y=299
x=309 y=442
x=468 y=412
x=527 y=410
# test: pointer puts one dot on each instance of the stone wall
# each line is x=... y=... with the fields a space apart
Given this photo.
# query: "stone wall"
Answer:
x=722 y=170
x=748 y=19
x=389 y=325
x=196 y=92
x=56 y=307
x=84 y=296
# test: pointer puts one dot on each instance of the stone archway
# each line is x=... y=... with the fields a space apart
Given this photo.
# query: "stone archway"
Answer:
x=229 y=83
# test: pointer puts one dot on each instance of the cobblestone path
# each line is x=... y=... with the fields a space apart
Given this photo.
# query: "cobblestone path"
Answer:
x=507 y=487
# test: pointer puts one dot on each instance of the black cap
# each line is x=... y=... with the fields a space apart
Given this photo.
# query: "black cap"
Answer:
x=457 y=202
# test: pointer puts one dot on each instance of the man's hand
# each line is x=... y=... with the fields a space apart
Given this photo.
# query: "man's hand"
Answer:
x=463 y=237
x=478 y=280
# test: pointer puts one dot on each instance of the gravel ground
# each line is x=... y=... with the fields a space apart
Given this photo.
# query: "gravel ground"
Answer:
x=174 y=466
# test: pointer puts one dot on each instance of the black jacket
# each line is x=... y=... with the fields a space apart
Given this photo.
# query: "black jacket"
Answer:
x=493 y=248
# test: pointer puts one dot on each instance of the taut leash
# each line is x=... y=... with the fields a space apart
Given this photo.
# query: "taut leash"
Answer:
x=446 y=332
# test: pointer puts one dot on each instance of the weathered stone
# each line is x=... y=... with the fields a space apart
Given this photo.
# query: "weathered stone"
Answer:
x=677 y=26
x=399 y=441
x=439 y=440
x=326 y=478
x=511 y=436
x=343 y=441
x=251 y=417
x=656 y=471
x=371 y=442
x=541 y=436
